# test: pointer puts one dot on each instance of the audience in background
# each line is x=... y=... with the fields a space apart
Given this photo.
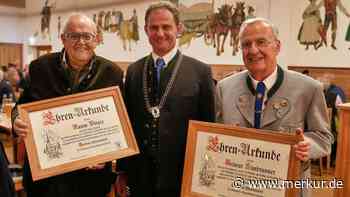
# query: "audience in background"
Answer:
x=306 y=72
x=6 y=89
x=14 y=75
x=334 y=96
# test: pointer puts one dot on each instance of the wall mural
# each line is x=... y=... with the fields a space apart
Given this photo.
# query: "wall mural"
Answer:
x=45 y=13
x=114 y=22
x=313 y=31
x=107 y=22
x=347 y=37
x=200 y=20
x=59 y=26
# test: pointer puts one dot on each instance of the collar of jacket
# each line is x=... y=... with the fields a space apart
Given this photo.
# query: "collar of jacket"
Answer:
x=83 y=81
x=64 y=62
x=272 y=91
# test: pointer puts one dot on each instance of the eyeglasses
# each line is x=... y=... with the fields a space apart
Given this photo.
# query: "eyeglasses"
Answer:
x=75 y=36
x=259 y=43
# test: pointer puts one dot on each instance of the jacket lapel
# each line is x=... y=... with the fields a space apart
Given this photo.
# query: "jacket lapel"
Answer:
x=275 y=109
x=245 y=104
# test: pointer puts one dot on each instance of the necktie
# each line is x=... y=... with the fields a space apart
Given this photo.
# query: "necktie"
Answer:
x=160 y=63
x=259 y=100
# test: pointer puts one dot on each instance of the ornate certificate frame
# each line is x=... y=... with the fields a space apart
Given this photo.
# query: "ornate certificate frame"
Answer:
x=223 y=160
x=77 y=131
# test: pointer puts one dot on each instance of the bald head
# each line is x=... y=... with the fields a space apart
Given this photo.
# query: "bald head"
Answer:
x=79 y=39
x=253 y=21
x=79 y=19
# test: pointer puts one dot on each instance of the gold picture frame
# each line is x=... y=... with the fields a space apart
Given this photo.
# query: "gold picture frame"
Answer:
x=222 y=159
x=73 y=132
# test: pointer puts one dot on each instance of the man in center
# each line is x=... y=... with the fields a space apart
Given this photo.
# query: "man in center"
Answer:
x=164 y=90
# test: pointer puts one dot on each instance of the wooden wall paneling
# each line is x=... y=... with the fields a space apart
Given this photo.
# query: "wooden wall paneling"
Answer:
x=336 y=75
x=1 y=55
x=219 y=71
x=11 y=53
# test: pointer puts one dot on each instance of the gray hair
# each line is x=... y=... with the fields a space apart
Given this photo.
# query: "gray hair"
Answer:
x=257 y=20
x=164 y=5
x=84 y=17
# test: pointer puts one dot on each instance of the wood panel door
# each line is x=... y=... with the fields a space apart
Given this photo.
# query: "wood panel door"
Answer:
x=11 y=53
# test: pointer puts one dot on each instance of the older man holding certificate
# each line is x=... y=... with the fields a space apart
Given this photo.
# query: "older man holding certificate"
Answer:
x=271 y=98
x=75 y=69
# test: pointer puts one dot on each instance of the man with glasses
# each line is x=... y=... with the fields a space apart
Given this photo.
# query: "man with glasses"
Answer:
x=265 y=96
x=75 y=69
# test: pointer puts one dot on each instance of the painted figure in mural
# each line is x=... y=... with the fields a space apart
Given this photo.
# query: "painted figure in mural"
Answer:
x=100 y=24
x=221 y=22
x=237 y=19
x=116 y=20
x=347 y=36
x=251 y=13
x=128 y=30
x=94 y=18
x=135 y=26
x=108 y=21
x=163 y=90
x=45 y=19
x=331 y=18
x=59 y=24
x=100 y=20
x=226 y=21
x=311 y=29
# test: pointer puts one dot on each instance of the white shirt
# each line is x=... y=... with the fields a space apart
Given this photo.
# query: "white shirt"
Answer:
x=167 y=57
x=268 y=82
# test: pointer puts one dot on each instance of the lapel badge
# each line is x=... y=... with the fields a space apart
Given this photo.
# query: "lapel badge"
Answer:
x=276 y=106
x=242 y=101
x=284 y=103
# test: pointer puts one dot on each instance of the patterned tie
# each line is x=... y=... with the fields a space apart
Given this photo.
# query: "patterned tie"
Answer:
x=259 y=100
x=160 y=63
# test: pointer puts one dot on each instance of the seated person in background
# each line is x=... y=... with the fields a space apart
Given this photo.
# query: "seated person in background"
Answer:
x=306 y=72
x=334 y=96
x=17 y=75
x=5 y=88
x=13 y=77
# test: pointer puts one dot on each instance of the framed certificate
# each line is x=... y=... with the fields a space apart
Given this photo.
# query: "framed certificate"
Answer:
x=76 y=131
x=225 y=161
